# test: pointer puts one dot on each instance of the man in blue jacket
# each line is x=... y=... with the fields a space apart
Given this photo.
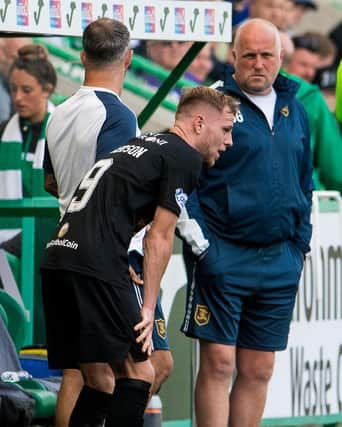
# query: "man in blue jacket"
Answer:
x=253 y=212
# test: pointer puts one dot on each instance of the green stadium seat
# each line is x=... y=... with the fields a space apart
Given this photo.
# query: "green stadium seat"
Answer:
x=45 y=401
x=17 y=321
x=3 y=315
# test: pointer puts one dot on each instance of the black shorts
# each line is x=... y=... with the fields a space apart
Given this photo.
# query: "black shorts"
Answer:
x=88 y=320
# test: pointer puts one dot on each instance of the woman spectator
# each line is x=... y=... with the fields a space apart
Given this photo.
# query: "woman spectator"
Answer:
x=32 y=80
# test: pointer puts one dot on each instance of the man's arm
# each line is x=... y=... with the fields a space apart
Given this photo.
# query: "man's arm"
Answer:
x=303 y=232
x=50 y=183
x=158 y=246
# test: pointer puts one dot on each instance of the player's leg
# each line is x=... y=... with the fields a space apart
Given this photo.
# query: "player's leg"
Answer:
x=214 y=306
x=71 y=386
x=248 y=395
x=134 y=376
x=92 y=404
x=217 y=362
x=131 y=392
x=107 y=315
x=162 y=363
x=93 y=347
x=161 y=357
x=125 y=406
x=62 y=333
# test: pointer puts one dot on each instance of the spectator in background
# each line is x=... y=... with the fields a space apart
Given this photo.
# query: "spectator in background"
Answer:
x=168 y=54
x=270 y=10
x=284 y=14
x=32 y=79
x=9 y=47
x=313 y=51
x=296 y=12
x=325 y=135
x=327 y=48
x=306 y=57
x=240 y=10
x=201 y=66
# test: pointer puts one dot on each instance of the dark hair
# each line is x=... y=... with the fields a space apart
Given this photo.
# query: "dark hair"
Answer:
x=308 y=42
x=33 y=59
x=105 y=40
x=327 y=47
x=206 y=95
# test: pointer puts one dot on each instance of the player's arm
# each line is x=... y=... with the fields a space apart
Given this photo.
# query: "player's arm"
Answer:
x=50 y=183
x=158 y=246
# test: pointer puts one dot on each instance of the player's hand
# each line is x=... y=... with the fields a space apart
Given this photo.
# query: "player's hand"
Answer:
x=134 y=276
x=145 y=328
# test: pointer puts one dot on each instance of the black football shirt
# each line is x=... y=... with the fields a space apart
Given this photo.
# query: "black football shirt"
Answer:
x=116 y=198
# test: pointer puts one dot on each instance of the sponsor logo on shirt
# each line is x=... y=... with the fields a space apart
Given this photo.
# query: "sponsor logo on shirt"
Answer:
x=62 y=242
x=63 y=230
x=133 y=150
x=181 y=197
x=150 y=137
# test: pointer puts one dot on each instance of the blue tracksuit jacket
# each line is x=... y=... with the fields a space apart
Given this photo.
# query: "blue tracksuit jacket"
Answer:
x=259 y=191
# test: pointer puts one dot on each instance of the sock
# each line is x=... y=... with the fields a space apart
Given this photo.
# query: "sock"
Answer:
x=90 y=409
x=128 y=403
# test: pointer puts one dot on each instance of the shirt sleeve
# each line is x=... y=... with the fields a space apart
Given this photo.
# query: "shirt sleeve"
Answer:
x=303 y=232
x=179 y=178
x=116 y=131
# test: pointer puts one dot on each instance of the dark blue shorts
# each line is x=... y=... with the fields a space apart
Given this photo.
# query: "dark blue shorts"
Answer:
x=242 y=295
x=159 y=334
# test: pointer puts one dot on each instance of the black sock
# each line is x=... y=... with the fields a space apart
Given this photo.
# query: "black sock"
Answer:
x=128 y=403
x=90 y=409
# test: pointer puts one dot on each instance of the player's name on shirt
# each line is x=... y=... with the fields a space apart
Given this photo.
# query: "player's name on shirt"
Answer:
x=136 y=150
x=133 y=150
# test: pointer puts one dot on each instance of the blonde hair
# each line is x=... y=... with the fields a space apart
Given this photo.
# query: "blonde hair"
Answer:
x=205 y=95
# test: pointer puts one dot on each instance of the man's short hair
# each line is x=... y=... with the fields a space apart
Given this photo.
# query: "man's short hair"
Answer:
x=105 y=40
x=208 y=96
x=308 y=42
